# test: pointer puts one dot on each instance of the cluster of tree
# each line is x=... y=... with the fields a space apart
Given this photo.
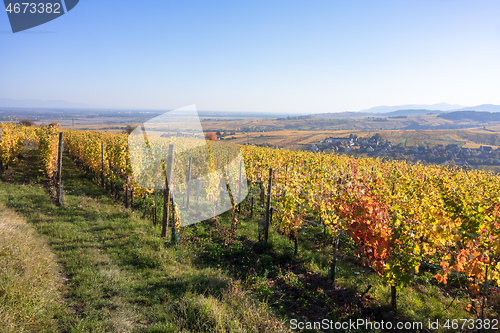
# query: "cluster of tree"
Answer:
x=129 y=129
x=26 y=122
x=29 y=123
x=210 y=136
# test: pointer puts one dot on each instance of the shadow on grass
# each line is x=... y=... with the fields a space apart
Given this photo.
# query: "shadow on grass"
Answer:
x=280 y=278
x=177 y=286
x=24 y=170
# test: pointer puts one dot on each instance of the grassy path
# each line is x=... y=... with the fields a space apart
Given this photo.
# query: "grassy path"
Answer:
x=29 y=279
x=120 y=277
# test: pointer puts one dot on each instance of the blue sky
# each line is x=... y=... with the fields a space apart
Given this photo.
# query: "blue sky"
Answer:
x=276 y=56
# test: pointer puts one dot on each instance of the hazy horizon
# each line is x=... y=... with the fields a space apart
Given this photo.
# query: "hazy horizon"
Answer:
x=66 y=105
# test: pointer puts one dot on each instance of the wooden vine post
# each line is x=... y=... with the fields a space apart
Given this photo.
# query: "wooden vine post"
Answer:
x=144 y=205
x=1 y=162
x=131 y=197
x=239 y=186
x=102 y=165
x=268 y=205
x=393 y=297
x=251 y=204
x=111 y=181
x=155 y=218
x=188 y=187
x=129 y=194
x=126 y=192
x=333 y=262
x=59 y=184
x=166 y=193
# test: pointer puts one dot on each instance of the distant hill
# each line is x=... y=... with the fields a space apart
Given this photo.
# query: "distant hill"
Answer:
x=358 y=115
x=482 y=107
x=483 y=117
x=438 y=106
x=342 y=115
x=402 y=111
x=410 y=112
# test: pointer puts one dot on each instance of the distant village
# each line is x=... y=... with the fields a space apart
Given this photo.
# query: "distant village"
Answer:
x=376 y=146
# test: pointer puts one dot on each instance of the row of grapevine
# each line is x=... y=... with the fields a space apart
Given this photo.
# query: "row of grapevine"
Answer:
x=14 y=137
x=106 y=154
x=48 y=146
x=399 y=214
x=102 y=154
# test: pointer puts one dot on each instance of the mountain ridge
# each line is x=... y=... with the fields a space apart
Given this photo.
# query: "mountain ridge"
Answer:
x=482 y=107
x=402 y=112
x=437 y=106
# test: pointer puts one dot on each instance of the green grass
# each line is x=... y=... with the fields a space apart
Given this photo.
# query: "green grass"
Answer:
x=120 y=276
x=29 y=280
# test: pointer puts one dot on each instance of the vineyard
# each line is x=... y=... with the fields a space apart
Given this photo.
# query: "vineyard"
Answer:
x=401 y=216
x=14 y=137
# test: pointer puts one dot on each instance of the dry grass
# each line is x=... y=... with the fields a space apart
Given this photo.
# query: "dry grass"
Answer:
x=232 y=312
x=29 y=295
